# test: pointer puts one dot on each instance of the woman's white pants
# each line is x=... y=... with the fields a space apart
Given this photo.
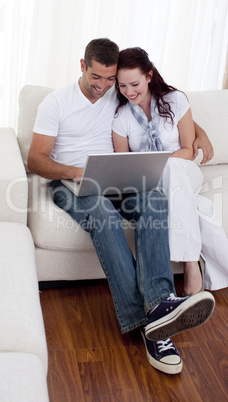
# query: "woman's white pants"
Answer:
x=195 y=228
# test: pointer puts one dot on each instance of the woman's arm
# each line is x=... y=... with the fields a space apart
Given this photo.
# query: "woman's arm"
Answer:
x=120 y=143
x=192 y=137
x=187 y=136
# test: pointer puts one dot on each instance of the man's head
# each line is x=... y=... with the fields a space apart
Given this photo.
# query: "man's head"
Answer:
x=99 y=68
x=102 y=50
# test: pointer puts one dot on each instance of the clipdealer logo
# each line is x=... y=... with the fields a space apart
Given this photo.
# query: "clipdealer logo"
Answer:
x=213 y=192
x=39 y=200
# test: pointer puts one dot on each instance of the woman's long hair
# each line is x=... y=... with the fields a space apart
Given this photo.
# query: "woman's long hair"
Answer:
x=136 y=57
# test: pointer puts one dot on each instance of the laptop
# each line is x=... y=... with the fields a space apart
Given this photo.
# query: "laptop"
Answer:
x=119 y=173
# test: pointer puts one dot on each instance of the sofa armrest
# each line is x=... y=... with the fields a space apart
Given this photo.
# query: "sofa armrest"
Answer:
x=13 y=179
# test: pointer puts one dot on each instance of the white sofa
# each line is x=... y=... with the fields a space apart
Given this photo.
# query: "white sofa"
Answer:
x=23 y=349
x=64 y=251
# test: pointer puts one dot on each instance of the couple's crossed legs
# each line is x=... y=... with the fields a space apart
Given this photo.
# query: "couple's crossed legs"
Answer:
x=142 y=287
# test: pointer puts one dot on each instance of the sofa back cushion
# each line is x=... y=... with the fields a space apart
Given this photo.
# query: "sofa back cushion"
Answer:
x=209 y=109
x=29 y=99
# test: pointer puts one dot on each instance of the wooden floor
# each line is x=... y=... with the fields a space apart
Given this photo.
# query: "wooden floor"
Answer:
x=89 y=360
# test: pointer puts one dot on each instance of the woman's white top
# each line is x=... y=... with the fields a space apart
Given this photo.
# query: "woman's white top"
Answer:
x=125 y=124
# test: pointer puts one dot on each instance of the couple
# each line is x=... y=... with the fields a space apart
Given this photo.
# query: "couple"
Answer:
x=77 y=120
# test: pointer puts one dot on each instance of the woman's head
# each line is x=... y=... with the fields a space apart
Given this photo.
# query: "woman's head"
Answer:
x=136 y=60
x=134 y=75
x=135 y=57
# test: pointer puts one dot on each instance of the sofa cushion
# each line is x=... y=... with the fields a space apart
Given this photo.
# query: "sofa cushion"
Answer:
x=52 y=228
x=22 y=378
x=13 y=179
x=29 y=99
x=209 y=110
x=22 y=327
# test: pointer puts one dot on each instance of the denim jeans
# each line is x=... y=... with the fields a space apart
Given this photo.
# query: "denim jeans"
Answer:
x=137 y=284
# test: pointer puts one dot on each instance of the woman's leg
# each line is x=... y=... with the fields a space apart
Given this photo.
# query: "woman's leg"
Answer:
x=193 y=280
x=182 y=181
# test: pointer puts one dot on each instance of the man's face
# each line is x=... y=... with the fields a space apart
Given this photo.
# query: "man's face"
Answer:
x=97 y=79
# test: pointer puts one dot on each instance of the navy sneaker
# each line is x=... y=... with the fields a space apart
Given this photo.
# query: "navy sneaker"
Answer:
x=177 y=314
x=163 y=355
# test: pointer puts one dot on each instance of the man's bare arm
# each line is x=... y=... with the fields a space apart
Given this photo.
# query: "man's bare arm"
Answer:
x=39 y=161
x=202 y=142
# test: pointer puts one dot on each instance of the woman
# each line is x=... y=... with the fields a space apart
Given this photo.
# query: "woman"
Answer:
x=153 y=115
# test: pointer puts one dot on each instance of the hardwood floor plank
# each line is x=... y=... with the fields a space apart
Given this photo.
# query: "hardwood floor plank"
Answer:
x=64 y=378
x=56 y=323
x=218 y=360
x=80 y=319
x=121 y=375
x=203 y=374
x=115 y=375
x=90 y=355
x=94 y=383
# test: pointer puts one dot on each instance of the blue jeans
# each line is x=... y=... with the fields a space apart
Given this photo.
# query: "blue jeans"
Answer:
x=137 y=284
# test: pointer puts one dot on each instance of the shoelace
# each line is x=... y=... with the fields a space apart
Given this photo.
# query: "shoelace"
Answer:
x=173 y=297
x=167 y=344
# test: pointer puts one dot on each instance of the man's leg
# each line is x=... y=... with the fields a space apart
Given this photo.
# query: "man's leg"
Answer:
x=153 y=267
x=97 y=215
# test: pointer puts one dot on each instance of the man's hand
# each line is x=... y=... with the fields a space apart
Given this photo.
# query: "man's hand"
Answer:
x=202 y=142
x=207 y=149
x=79 y=175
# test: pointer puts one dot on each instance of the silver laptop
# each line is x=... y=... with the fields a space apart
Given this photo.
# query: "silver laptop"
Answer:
x=117 y=173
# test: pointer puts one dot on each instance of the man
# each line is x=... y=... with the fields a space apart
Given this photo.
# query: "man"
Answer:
x=71 y=123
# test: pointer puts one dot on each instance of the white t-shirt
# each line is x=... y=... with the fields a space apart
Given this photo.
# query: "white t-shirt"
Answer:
x=80 y=127
x=126 y=125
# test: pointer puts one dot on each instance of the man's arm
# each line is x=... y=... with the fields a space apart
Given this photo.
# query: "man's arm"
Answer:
x=202 y=142
x=39 y=161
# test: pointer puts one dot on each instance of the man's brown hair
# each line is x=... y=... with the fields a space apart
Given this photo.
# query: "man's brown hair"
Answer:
x=102 y=50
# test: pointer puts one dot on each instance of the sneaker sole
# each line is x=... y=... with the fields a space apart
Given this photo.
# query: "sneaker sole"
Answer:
x=161 y=366
x=192 y=313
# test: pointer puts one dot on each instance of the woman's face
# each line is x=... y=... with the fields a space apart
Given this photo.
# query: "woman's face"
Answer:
x=133 y=84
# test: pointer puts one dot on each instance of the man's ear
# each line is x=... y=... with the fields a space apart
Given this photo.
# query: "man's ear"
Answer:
x=83 y=65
